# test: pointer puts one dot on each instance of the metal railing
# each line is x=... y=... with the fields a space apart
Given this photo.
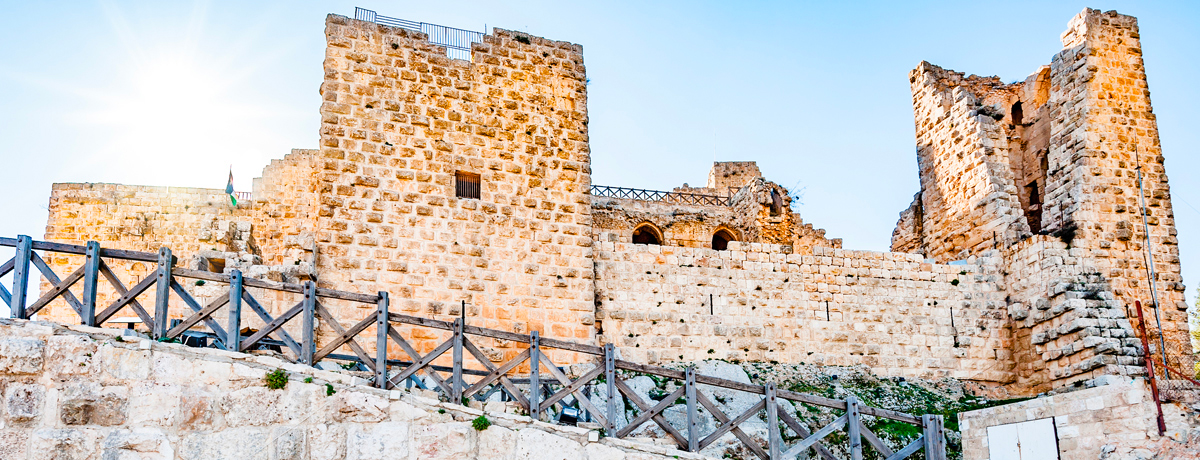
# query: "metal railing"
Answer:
x=662 y=196
x=457 y=41
x=542 y=388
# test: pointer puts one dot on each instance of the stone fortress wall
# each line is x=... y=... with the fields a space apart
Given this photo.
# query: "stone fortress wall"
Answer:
x=87 y=394
x=1017 y=264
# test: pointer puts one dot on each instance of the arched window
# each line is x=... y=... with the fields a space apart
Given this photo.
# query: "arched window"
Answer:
x=1017 y=113
x=721 y=239
x=647 y=234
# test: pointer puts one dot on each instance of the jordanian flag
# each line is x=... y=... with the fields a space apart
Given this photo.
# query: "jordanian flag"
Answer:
x=229 y=189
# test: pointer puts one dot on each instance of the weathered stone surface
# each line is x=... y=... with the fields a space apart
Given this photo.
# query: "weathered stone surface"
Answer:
x=379 y=441
x=196 y=409
x=125 y=363
x=88 y=403
x=359 y=407
x=70 y=356
x=154 y=404
x=137 y=444
x=327 y=442
x=63 y=444
x=13 y=444
x=21 y=355
x=539 y=445
x=443 y=441
x=595 y=451
x=254 y=406
x=496 y=443
x=291 y=443
x=245 y=443
x=23 y=402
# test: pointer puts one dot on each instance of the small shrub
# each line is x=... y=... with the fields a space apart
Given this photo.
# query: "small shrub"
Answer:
x=711 y=351
x=395 y=45
x=276 y=379
x=199 y=282
x=522 y=39
x=441 y=411
x=481 y=423
x=954 y=282
x=308 y=380
x=329 y=391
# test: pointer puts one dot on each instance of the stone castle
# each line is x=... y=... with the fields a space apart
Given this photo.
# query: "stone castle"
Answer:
x=451 y=183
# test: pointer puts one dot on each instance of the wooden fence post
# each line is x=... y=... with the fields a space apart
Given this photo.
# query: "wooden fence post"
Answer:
x=690 y=392
x=853 y=429
x=935 y=443
x=310 y=310
x=91 y=275
x=162 y=295
x=233 y=335
x=610 y=379
x=381 y=340
x=20 y=289
x=774 y=441
x=535 y=384
x=456 y=386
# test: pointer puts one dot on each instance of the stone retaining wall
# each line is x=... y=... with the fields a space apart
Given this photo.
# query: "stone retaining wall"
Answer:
x=86 y=394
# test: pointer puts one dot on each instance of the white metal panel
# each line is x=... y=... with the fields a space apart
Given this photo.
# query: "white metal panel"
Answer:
x=1002 y=442
x=1038 y=439
x=1032 y=440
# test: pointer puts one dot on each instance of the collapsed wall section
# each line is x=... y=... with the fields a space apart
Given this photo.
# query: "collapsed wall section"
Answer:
x=403 y=124
x=893 y=312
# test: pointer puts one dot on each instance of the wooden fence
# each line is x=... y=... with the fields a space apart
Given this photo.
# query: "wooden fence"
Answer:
x=543 y=389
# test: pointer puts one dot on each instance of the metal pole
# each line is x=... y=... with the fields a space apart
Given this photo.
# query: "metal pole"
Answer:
x=381 y=340
x=91 y=275
x=308 y=347
x=233 y=336
x=710 y=305
x=1162 y=424
x=1162 y=342
x=20 y=288
x=162 y=294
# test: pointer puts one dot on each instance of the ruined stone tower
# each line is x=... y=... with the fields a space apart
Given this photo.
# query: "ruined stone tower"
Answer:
x=1045 y=172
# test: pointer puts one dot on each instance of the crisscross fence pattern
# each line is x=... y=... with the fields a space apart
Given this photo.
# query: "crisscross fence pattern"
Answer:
x=456 y=368
x=662 y=196
x=457 y=41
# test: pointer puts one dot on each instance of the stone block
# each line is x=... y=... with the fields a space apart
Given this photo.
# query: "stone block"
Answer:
x=233 y=444
x=379 y=441
x=358 y=407
x=540 y=445
x=14 y=444
x=137 y=444
x=443 y=441
x=290 y=443
x=70 y=356
x=20 y=355
x=89 y=403
x=496 y=443
x=254 y=406
x=153 y=404
x=23 y=402
x=63 y=444
x=327 y=442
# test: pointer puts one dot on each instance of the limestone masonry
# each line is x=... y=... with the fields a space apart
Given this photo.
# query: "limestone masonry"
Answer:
x=448 y=182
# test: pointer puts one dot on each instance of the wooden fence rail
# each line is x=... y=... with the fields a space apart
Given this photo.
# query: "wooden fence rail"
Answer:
x=541 y=388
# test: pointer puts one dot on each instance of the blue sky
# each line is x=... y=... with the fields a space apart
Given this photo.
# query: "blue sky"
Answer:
x=174 y=93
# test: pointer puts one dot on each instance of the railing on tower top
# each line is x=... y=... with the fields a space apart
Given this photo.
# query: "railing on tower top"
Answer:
x=457 y=41
x=664 y=196
x=307 y=332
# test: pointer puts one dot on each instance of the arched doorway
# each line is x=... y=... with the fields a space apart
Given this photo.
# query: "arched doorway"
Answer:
x=721 y=239
x=647 y=234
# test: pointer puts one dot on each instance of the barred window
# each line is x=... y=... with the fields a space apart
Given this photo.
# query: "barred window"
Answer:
x=466 y=185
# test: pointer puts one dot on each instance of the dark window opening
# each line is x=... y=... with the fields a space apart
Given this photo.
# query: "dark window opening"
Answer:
x=466 y=185
x=1017 y=113
x=721 y=240
x=645 y=234
x=1033 y=212
x=776 y=203
x=213 y=265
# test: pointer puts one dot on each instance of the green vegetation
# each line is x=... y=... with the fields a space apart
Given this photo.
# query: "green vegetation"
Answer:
x=481 y=423
x=329 y=391
x=276 y=379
